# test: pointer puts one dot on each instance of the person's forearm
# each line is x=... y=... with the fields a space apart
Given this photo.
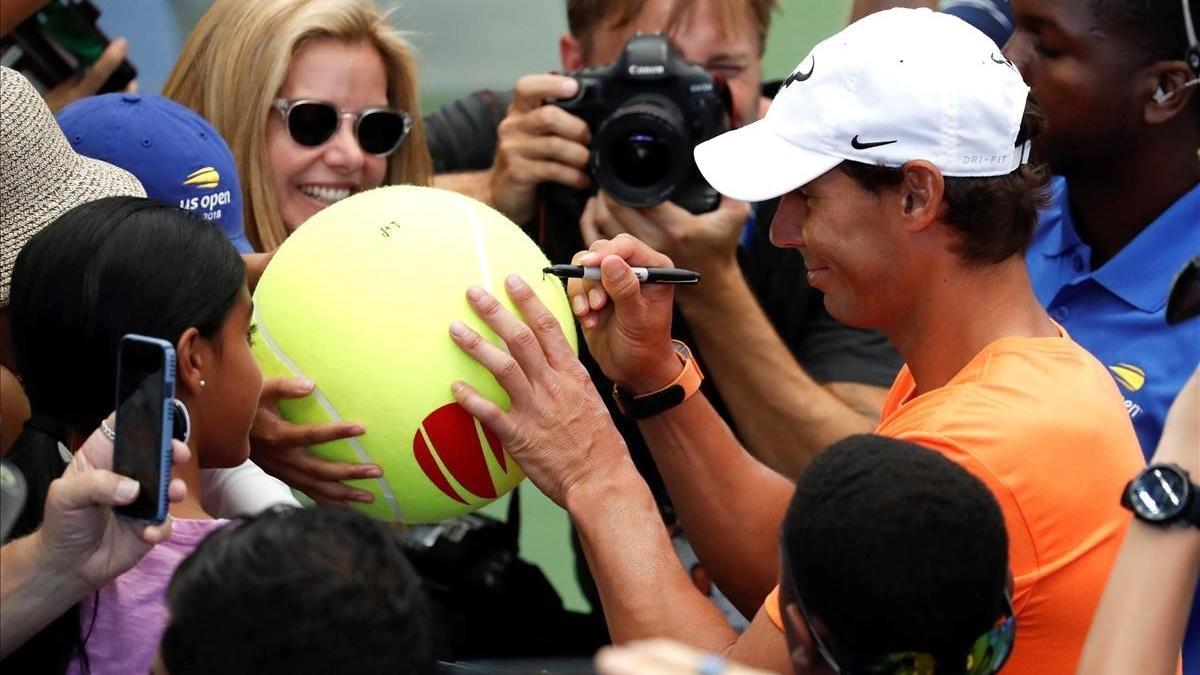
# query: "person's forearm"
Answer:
x=782 y=415
x=474 y=184
x=642 y=585
x=1139 y=625
x=32 y=592
x=730 y=504
x=1143 y=613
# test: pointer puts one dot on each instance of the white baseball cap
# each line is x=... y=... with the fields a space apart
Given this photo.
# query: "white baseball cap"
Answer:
x=895 y=86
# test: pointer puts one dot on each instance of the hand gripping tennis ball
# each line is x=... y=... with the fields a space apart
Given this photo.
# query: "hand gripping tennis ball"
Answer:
x=360 y=300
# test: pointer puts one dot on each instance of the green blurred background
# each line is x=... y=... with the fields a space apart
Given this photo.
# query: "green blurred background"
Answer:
x=463 y=45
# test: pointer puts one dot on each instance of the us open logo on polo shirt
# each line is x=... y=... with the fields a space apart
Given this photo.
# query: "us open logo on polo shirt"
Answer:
x=207 y=206
x=1132 y=379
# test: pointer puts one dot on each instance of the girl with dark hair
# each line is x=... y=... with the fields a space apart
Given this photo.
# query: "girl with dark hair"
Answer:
x=104 y=269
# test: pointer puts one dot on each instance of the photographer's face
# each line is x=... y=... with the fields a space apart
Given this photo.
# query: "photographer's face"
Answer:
x=849 y=247
x=736 y=54
x=305 y=179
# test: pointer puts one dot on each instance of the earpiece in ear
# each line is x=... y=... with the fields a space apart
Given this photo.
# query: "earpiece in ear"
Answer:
x=1160 y=95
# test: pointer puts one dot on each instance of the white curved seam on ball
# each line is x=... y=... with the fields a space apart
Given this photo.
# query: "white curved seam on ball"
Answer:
x=329 y=410
x=485 y=269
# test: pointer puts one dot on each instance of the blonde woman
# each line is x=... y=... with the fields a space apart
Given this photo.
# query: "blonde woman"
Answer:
x=316 y=98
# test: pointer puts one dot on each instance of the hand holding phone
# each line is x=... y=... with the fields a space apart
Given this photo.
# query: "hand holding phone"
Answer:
x=62 y=41
x=145 y=412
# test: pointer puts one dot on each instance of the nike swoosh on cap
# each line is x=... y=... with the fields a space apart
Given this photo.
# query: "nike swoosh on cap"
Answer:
x=858 y=145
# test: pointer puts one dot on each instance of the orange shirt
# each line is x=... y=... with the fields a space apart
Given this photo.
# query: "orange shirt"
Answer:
x=1041 y=423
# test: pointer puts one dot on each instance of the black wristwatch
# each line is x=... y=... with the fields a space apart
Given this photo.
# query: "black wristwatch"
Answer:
x=1163 y=495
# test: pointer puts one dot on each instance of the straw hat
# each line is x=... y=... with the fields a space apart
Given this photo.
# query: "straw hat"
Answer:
x=41 y=177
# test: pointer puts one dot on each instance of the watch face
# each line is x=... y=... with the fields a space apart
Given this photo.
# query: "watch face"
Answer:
x=1159 y=493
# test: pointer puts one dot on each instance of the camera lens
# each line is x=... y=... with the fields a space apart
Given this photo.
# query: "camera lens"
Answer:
x=641 y=154
x=641 y=159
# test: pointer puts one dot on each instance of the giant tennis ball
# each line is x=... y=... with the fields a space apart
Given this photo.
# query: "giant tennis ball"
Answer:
x=360 y=300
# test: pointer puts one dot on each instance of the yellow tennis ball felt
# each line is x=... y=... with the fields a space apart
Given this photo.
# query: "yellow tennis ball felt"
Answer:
x=360 y=300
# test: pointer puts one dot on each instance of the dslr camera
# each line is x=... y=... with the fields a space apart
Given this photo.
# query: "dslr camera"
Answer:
x=646 y=112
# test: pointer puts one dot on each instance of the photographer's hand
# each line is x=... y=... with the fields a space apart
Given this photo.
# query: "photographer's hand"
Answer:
x=90 y=82
x=537 y=143
x=627 y=325
x=706 y=243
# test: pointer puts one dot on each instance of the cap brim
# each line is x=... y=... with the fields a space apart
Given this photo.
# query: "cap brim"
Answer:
x=754 y=163
x=241 y=243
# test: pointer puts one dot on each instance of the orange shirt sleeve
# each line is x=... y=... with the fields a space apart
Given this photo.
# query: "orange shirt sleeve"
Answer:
x=774 y=611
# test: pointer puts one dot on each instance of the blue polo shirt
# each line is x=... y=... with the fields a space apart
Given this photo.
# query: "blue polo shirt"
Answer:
x=1118 y=311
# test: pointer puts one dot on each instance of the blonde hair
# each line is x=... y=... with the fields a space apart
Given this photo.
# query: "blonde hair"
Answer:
x=235 y=62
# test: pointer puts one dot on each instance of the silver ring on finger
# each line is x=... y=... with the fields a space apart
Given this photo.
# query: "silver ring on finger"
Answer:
x=108 y=431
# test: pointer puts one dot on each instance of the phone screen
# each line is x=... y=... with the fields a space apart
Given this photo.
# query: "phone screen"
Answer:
x=139 y=451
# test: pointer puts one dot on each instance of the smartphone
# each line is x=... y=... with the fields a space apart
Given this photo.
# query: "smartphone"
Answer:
x=145 y=411
x=61 y=41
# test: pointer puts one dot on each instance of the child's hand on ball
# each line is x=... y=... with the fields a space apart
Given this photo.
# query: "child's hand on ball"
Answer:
x=557 y=428
x=281 y=448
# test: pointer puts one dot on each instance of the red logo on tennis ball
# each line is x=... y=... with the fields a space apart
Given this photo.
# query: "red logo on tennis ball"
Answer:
x=454 y=438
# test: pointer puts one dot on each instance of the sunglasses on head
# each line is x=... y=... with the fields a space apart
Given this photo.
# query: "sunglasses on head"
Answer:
x=379 y=131
x=987 y=654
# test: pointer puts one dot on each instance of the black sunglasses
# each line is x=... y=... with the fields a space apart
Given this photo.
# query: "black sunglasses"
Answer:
x=379 y=131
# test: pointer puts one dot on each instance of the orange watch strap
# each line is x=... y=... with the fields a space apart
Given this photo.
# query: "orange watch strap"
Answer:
x=679 y=390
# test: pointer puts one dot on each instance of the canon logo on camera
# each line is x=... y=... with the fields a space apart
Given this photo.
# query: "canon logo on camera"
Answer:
x=637 y=70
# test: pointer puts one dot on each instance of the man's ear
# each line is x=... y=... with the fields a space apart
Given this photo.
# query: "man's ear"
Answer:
x=920 y=194
x=1167 y=91
x=194 y=357
x=805 y=656
x=570 y=52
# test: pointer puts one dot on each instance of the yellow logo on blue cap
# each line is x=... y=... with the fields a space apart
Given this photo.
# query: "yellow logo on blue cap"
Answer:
x=204 y=178
x=1129 y=376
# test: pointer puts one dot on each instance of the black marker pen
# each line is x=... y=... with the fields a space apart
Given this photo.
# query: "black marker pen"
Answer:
x=646 y=275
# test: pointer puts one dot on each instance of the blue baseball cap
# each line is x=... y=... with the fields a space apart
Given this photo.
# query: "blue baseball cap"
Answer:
x=174 y=152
